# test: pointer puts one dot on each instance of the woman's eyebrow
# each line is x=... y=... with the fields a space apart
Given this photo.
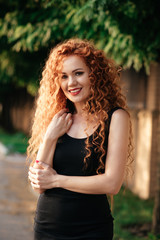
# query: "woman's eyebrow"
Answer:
x=74 y=70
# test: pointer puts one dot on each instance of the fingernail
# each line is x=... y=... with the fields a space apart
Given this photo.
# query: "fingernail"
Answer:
x=37 y=161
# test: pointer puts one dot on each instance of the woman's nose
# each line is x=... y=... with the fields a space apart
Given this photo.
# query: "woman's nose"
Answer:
x=71 y=80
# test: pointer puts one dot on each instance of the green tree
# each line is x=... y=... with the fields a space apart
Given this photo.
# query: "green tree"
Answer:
x=127 y=30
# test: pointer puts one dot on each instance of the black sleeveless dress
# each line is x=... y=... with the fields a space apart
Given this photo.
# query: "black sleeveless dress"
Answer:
x=66 y=215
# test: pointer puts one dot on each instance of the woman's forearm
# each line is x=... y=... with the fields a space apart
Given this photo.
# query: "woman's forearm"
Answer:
x=97 y=184
x=46 y=152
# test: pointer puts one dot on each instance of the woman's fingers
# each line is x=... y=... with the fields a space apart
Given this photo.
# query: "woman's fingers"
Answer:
x=34 y=174
x=69 y=120
x=34 y=180
x=59 y=124
x=61 y=112
x=35 y=185
x=32 y=177
x=34 y=170
x=69 y=116
x=69 y=124
x=42 y=179
x=64 y=115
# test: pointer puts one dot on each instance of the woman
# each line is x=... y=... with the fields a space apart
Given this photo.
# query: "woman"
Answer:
x=80 y=144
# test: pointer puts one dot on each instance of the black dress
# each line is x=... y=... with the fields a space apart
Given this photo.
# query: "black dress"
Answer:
x=66 y=215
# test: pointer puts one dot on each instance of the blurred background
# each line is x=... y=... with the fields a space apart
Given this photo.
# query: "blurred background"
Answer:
x=129 y=32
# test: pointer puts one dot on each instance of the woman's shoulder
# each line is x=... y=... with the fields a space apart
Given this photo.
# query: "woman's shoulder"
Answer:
x=118 y=111
x=118 y=115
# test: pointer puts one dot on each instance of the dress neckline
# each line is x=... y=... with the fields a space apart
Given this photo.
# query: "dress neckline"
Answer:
x=109 y=118
x=84 y=138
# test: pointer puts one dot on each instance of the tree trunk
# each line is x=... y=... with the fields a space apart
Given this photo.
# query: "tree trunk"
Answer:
x=156 y=210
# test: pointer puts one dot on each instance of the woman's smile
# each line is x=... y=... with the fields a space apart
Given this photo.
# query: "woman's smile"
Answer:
x=75 y=91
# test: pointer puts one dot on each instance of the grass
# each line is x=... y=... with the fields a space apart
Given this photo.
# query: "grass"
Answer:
x=16 y=142
x=129 y=209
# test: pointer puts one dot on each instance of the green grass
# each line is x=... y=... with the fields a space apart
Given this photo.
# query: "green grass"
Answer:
x=16 y=142
x=129 y=209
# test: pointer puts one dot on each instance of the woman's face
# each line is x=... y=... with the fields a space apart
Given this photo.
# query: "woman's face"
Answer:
x=75 y=79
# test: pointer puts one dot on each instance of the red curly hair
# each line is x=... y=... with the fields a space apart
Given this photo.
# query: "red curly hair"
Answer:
x=105 y=94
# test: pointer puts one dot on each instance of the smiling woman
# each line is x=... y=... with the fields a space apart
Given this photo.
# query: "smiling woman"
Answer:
x=80 y=144
x=75 y=81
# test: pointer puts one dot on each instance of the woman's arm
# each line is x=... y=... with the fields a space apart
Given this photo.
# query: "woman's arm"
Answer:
x=108 y=183
x=60 y=123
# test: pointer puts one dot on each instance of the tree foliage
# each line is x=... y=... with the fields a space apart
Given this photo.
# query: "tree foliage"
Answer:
x=127 y=30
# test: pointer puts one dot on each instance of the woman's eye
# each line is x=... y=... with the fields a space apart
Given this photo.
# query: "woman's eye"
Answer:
x=79 y=73
x=64 y=76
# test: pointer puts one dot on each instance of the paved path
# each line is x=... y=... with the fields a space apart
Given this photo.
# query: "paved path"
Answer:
x=17 y=201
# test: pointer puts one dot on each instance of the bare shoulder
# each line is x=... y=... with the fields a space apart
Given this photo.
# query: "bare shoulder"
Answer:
x=120 y=117
x=120 y=113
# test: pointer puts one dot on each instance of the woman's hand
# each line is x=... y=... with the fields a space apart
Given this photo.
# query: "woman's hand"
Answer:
x=44 y=178
x=60 y=124
x=39 y=175
x=37 y=166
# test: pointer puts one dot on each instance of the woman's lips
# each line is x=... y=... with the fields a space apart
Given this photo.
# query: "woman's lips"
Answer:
x=75 y=91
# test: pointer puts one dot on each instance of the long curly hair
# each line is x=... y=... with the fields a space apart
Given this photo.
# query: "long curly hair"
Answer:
x=105 y=94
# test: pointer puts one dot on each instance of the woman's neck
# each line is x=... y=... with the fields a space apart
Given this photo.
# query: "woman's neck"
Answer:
x=79 y=109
